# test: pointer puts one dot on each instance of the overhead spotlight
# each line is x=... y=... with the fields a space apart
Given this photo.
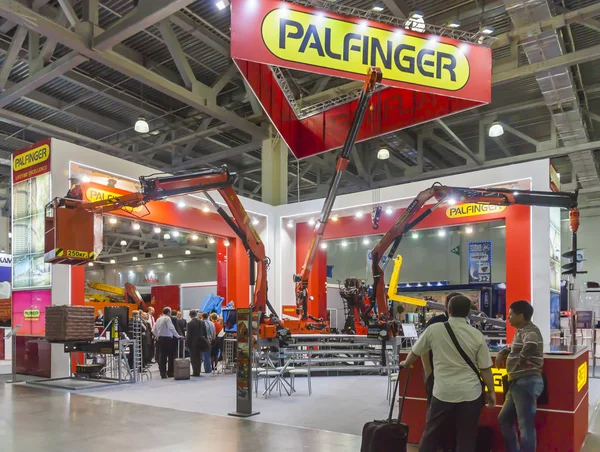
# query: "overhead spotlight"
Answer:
x=181 y=203
x=123 y=242
x=377 y=8
x=487 y=30
x=86 y=178
x=175 y=233
x=141 y=126
x=311 y=222
x=389 y=210
x=416 y=14
x=469 y=229
x=323 y=246
x=194 y=236
x=335 y=218
x=211 y=240
x=160 y=256
x=515 y=193
x=112 y=220
x=366 y=241
x=454 y=23
x=157 y=229
x=255 y=221
x=136 y=226
x=290 y=224
x=359 y=214
x=10 y=233
x=383 y=154
x=134 y=258
x=496 y=130
x=442 y=233
x=226 y=242
x=112 y=261
x=222 y=4
x=188 y=252
x=206 y=209
x=90 y=264
x=415 y=235
x=167 y=236
x=452 y=201
x=344 y=243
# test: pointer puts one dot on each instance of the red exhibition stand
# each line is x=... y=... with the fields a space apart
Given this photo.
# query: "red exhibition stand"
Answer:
x=561 y=424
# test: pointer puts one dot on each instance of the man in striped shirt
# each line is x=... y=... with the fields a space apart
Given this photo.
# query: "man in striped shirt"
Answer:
x=523 y=361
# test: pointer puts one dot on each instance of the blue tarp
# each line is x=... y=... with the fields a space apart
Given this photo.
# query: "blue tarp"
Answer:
x=212 y=303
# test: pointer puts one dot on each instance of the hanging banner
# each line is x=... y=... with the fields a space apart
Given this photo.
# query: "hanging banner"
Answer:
x=425 y=76
x=480 y=262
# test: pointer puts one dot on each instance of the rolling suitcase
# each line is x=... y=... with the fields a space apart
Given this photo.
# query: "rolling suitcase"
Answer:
x=182 y=365
x=389 y=435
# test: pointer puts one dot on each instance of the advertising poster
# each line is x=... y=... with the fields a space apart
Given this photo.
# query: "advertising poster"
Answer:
x=480 y=262
x=244 y=354
x=29 y=310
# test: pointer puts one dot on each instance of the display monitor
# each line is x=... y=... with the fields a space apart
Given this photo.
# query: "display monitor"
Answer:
x=120 y=312
x=229 y=320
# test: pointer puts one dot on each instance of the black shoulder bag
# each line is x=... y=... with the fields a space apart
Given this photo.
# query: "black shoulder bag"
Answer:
x=464 y=355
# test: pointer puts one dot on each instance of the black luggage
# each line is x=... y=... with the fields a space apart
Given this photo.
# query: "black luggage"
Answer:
x=390 y=435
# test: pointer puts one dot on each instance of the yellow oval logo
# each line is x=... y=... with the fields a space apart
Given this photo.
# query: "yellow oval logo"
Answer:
x=346 y=46
x=96 y=194
x=31 y=157
x=472 y=210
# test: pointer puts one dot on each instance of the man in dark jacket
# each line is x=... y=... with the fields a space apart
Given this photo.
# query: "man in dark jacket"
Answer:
x=178 y=353
x=197 y=342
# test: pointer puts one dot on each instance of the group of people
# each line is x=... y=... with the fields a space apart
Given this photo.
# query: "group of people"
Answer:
x=457 y=366
x=174 y=335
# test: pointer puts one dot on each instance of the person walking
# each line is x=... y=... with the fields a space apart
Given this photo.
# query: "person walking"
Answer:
x=210 y=329
x=167 y=337
x=197 y=341
x=457 y=388
x=523 y=361
x=215 y=346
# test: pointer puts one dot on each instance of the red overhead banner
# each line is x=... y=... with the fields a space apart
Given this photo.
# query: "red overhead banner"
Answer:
x=31 y=161
x=428 y=76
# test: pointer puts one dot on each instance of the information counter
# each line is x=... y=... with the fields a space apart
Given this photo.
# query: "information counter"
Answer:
x=562 y=423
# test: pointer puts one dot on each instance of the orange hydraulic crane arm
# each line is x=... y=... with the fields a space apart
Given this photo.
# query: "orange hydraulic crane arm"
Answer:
x=374 y=77
x=415 y=213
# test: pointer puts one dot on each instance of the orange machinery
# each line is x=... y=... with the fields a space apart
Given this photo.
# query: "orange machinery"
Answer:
x=306 y=322
x=63 y=216
x=414 y=214
x=127 y=296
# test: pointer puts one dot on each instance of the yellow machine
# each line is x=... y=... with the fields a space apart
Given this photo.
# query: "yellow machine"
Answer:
x=128 y=296
x=393 y=288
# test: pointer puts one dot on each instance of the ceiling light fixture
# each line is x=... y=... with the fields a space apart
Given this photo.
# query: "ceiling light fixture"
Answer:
x=112 y=220
x=377 y=8
x=167 y=236
x=487 y=30
x=469 y=229
x=181 y=204
x=290 y=224
x=366 y=241
x=194 y=236
x=206 y=209
x=383 y=154
x=335 y=218
x=188 y=252
x=157 y=229
x=344 y=243
x=112 y=261
x=454 y=23
x=90 y=264
x=415 y=235
x=359 y=214
x=141 y=125
x=496 y=130
x=134 y=258
x=254 y=221
x=160 y=256
x=123 y=242
x=222 y=4
x=86 y=178
x=226 y=242
x=416 y=14
x=136 y=226
x=442 y=233
x=311 y=222
x=452 y=201
x=389 y=210
x=175 y=233
x=211 y=240
x=323 y=246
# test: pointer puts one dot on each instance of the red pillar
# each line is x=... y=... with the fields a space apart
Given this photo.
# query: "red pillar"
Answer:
x=238 y=274
x=518 y=258
x=222 y=270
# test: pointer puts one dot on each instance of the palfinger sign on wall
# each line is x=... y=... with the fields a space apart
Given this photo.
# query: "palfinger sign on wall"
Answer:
x=427 y=76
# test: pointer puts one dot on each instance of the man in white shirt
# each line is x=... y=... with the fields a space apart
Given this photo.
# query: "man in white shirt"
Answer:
x=457 y=390
x=164 y=331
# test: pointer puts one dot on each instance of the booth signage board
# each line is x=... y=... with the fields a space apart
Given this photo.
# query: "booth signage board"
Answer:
x=31 y=162
x=473 y=210
x=480 y=262
x=426 y=76
x=582 y=375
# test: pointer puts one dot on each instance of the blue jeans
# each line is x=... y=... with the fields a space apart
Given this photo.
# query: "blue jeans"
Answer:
x=520 y=405
x=207 y=362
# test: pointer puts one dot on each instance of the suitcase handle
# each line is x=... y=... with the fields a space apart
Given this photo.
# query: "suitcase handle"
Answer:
x=403 y=396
